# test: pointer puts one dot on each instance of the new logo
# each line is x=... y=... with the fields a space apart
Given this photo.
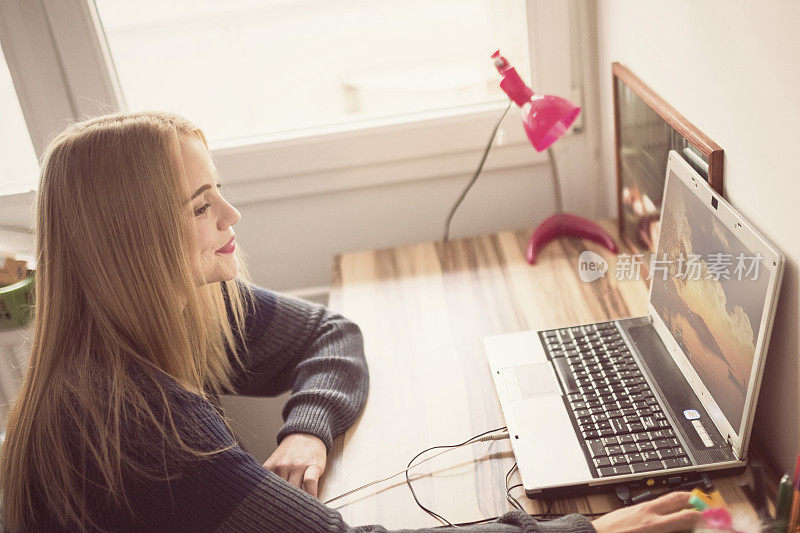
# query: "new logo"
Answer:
x=591 y=266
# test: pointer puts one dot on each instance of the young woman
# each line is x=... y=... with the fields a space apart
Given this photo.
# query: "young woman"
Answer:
x=143 y=317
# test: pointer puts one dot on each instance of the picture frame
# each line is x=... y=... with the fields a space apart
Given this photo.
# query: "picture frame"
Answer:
x=646 y=128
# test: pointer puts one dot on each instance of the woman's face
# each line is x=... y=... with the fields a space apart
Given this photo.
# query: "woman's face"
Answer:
x=213 y=216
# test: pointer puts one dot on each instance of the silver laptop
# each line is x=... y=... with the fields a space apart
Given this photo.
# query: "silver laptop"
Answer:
x=655 y=399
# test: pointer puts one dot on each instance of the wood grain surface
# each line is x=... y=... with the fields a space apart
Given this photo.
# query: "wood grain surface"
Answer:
x=424 y=310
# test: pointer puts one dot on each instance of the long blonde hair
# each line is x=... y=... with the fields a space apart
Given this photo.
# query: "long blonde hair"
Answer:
x=114 y=289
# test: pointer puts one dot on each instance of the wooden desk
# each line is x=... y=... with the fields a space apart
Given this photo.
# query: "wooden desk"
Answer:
x=424 y=310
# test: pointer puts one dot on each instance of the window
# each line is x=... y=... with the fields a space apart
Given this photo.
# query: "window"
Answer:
x=385 y=91
x=19 y=168
x=244 y=68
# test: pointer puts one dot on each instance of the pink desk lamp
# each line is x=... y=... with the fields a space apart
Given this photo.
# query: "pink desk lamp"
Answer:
x=546 y=118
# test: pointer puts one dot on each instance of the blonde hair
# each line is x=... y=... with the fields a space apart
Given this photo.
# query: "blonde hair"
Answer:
x=115 y=290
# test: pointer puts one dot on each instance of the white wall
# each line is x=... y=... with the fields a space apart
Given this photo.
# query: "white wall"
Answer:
x=730 y=67
x=291 y=243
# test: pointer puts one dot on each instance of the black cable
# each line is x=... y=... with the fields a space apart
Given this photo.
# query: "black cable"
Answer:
x=547 y=515
x=408 y=479
x=473 y=523
x=474 y=177
x=492 y=519
x=521 y=508
x=509 y=498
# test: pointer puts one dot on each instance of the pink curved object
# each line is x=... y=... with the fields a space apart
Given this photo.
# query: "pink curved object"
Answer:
x=569 y=225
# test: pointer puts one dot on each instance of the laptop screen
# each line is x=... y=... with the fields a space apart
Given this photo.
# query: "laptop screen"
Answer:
x=710 y=290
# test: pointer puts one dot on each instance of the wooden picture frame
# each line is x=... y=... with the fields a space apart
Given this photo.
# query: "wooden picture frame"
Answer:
x=646 y=128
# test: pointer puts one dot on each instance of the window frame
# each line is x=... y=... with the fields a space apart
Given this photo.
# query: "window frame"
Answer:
x=74 y=77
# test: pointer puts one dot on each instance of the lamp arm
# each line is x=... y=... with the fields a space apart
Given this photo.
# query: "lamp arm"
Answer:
x=556 y=182
x=475 y=176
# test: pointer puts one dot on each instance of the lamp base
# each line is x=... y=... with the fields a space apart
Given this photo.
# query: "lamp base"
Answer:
x=570 y=225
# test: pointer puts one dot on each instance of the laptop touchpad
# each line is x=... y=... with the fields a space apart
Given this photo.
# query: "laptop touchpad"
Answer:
x=530 y=381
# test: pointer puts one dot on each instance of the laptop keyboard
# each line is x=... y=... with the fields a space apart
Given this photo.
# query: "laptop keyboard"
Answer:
x=622 y=426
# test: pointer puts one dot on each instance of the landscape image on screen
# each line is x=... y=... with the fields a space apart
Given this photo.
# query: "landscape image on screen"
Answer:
x=715 y=321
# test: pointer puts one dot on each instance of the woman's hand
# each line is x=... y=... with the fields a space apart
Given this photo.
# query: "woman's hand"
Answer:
x=299 y=459
x=664 y=514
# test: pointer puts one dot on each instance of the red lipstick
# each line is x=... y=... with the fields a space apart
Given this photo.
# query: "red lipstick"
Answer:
x=228 y=248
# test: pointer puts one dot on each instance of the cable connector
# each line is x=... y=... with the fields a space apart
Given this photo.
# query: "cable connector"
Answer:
x=497 y=436
x=644 y=497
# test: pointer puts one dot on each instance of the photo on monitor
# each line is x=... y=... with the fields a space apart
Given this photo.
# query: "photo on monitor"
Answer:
x=710 y=294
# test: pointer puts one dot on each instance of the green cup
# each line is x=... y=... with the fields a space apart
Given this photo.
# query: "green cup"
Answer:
x=16 y=304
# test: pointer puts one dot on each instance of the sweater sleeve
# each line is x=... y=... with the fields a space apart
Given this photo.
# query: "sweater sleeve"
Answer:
x=296 y=345
x=231 y=491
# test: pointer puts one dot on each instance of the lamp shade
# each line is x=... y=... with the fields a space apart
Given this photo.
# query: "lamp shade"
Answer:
x=546 y=118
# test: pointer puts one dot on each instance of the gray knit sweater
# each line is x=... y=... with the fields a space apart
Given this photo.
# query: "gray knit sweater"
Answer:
x=292 y=345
